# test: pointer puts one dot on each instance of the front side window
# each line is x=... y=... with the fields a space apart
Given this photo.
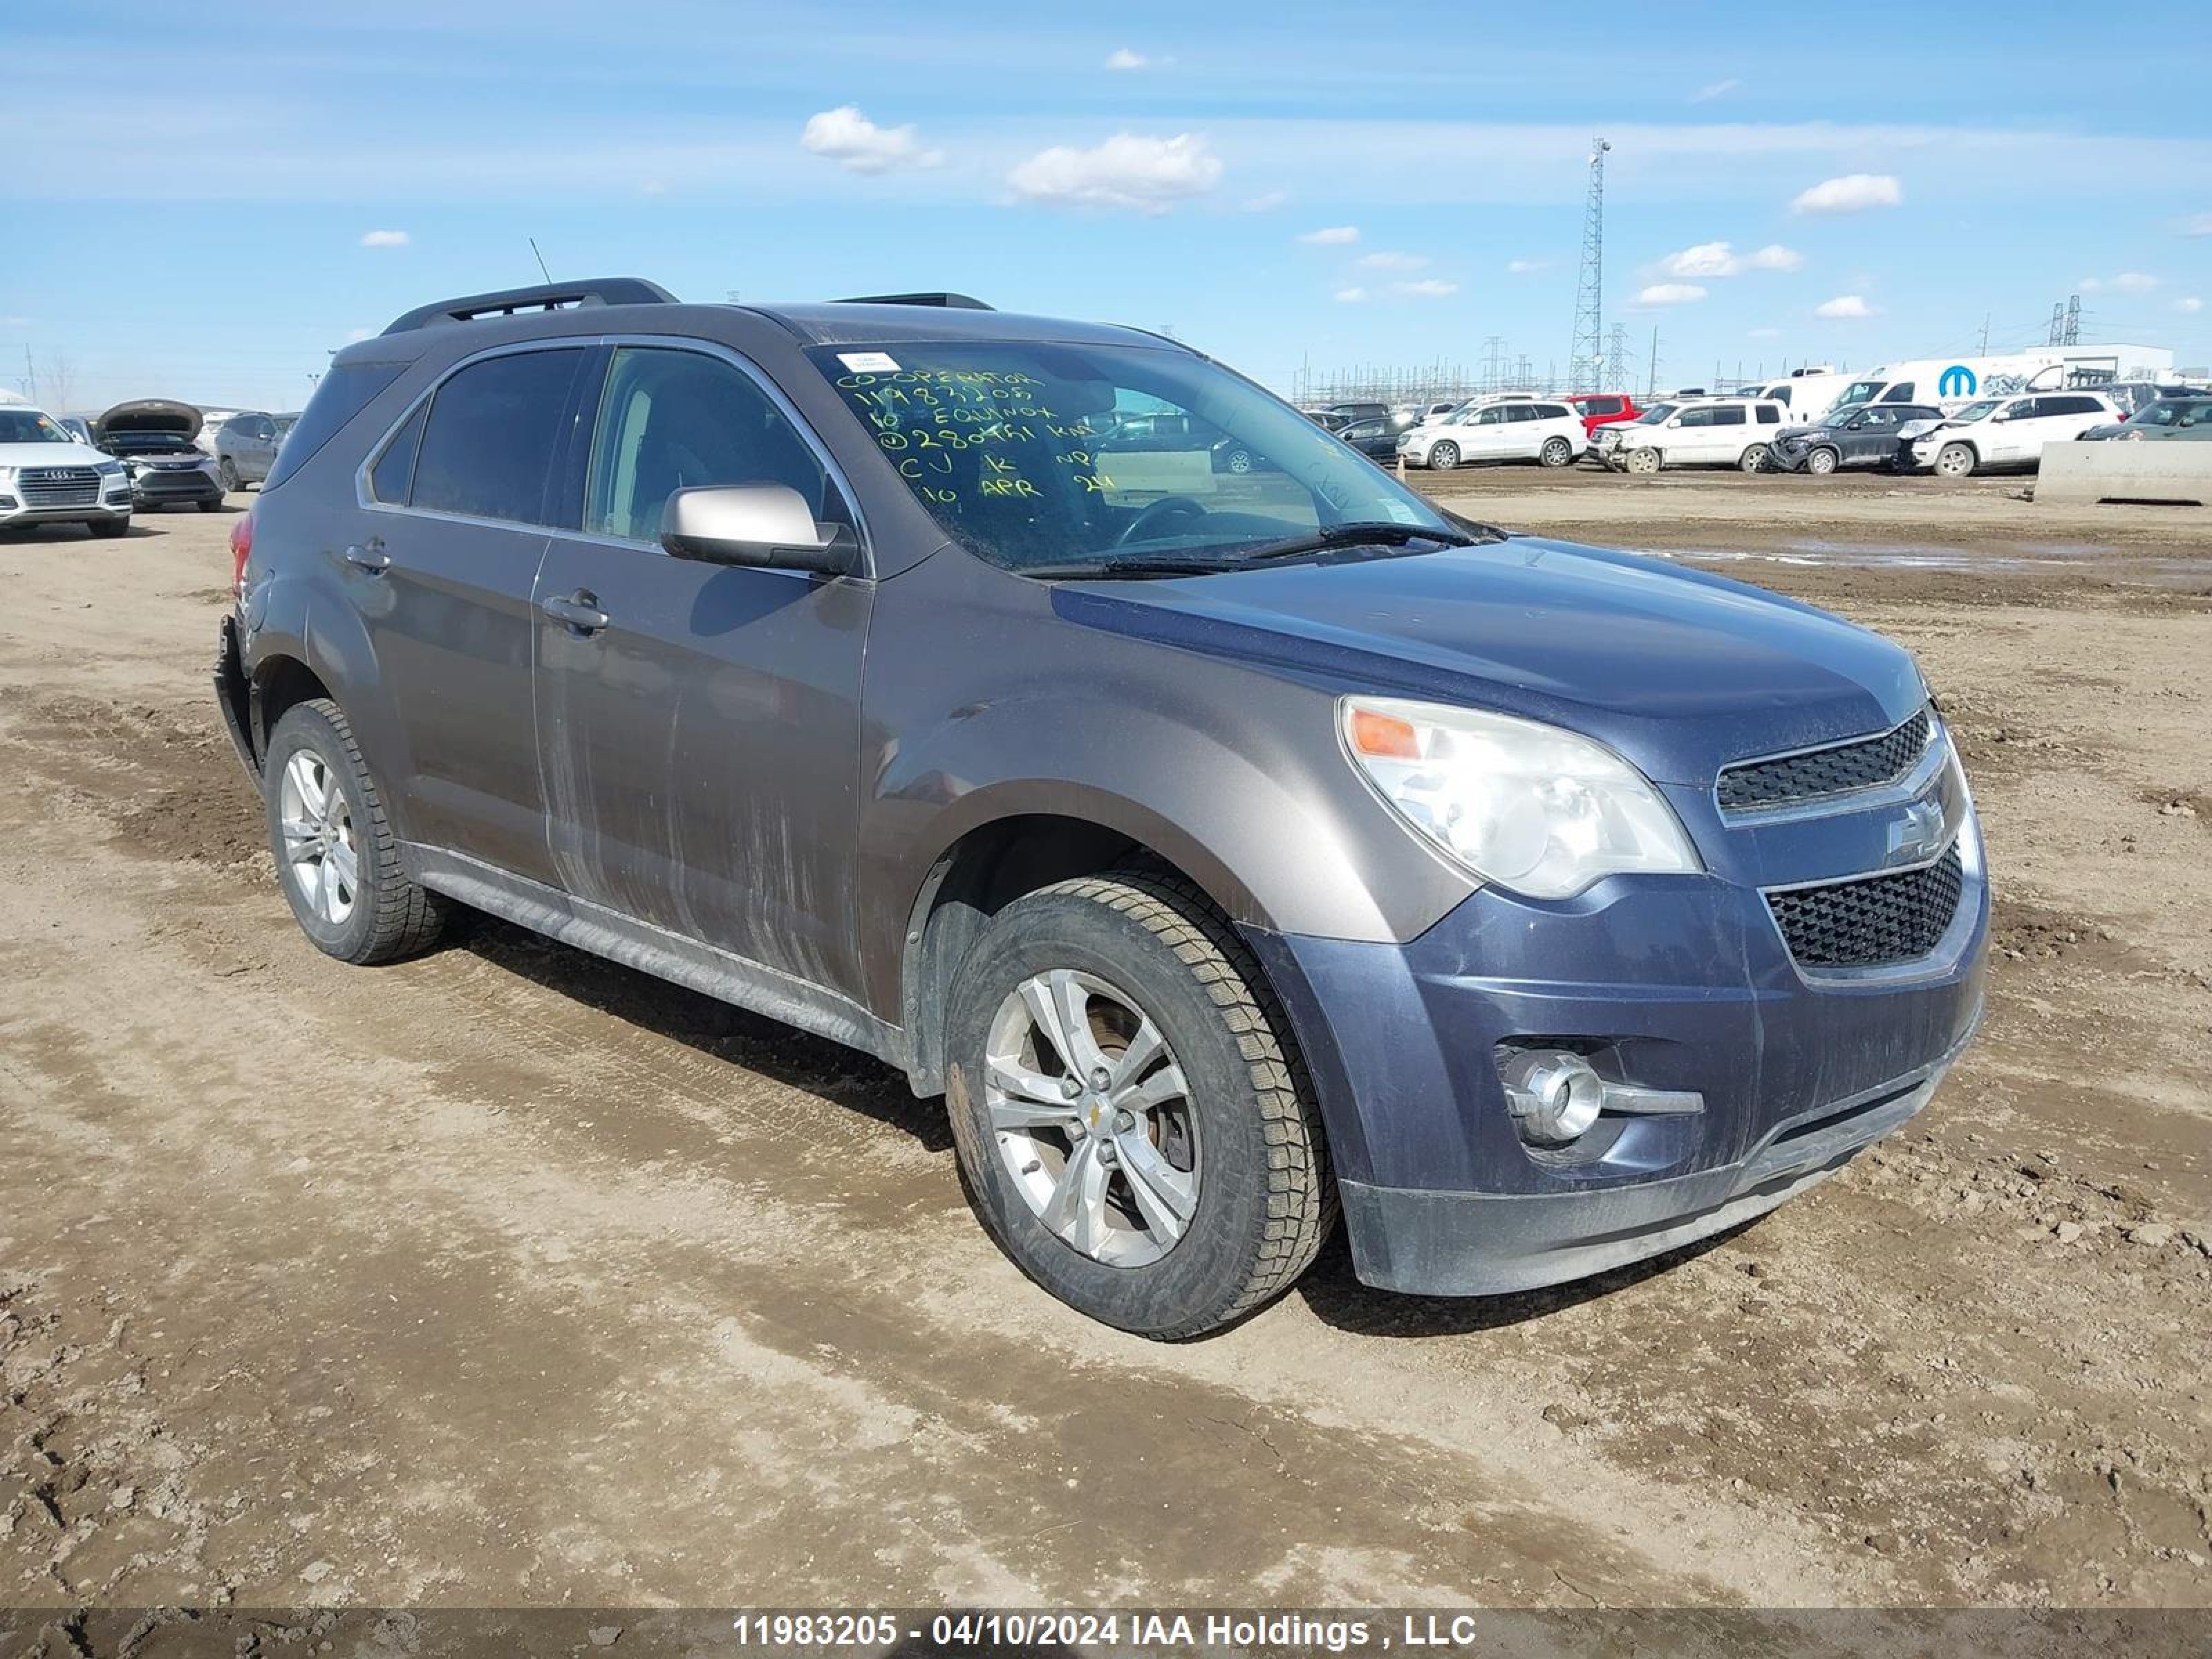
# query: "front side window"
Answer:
x=488 y=445
x=1899 y=394
x=676 y=420
x=1014 y=448
x=1657 y=415
x=1980 y=411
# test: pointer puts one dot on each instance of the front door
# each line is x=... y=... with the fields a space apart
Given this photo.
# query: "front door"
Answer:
x=699 y=731
x=441 y=572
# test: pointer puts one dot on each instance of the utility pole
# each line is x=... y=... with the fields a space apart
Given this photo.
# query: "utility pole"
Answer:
x=1985 y=334
x=1588 y=357
x=1651 y=385
x=1616 y=358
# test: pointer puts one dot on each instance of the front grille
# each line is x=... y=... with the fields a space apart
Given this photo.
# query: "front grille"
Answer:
x=1867 y=763
x=58 y=486
x=1873 y=921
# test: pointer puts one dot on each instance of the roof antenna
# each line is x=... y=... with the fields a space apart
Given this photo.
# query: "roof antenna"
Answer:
x=542 y=271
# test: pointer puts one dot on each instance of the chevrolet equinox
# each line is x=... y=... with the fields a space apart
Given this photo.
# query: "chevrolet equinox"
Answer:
x=1229 y=849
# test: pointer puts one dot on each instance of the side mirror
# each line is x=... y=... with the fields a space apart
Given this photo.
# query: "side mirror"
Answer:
x=764 y=524
x=1677 y=420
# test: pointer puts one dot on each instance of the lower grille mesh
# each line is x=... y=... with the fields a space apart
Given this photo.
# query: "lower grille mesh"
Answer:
x=1871 y=922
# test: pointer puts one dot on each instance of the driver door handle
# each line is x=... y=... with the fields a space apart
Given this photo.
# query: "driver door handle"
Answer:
x=369 y=556
x=579 y=611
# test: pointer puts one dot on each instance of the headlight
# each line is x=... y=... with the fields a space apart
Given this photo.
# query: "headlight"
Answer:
x=2131 y=437
x=108 y=469
x=1530 y=807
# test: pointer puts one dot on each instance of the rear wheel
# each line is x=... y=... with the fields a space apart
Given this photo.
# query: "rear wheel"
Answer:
x=1132 y=1122
x=336 y=854
x=1444 y=458
x=1822 y=461
x=1643 y=461
x=1955 y=460
x=1754 y=459
x=1556 y=452
x=228 y=473
x=214 y=505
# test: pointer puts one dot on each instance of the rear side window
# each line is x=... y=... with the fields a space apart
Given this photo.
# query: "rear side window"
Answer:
x=1549 y=411
x=388 y=480
x=340 y=395
x=488 y=445
x=1769 y=415
x=2071 y=406
x=1729 y=415
x=1600 y=406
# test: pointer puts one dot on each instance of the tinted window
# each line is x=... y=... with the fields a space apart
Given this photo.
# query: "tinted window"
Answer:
x=340 y=395
x=1780 y=394
x=1548 y=412
x=2072 y=406
x=1769 y=415
x=1700 y=416
x=1899 y=394
x=488 y=443
x=1491 y=417
x=395 y=468
x=674 y=420
x=1875 y=420
x=1729 y=415
x=1600 y=407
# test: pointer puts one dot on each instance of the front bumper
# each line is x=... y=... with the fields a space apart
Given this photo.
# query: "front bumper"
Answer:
x=187 y=487
x=1682 y=983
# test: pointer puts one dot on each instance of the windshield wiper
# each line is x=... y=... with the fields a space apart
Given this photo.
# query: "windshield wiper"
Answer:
x=1388 y=533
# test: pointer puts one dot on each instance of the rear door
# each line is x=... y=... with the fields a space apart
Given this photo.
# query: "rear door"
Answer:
x=457 y=505
x=700 y=745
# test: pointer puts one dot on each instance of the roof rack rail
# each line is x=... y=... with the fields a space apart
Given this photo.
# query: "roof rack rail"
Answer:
x=546 y=296
x=955 y=302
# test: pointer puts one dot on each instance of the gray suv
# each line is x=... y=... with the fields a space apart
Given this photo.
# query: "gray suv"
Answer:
x=1232 y=851
x=246 y=448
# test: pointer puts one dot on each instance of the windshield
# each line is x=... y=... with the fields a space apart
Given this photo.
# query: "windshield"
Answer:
x=1035 y=453
x=27 y=426
x=1657 y=415
x=1980 y=411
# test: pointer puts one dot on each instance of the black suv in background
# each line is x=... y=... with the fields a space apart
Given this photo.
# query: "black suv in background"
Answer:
x=1228 y=848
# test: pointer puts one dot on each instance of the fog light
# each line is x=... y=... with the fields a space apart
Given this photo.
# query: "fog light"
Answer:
x=1554 y=1095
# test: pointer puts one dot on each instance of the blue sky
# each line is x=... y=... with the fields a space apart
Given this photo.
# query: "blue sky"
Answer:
x=192 y=208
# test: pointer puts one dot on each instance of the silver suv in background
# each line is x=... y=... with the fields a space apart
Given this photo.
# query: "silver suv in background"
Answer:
x=246 y=448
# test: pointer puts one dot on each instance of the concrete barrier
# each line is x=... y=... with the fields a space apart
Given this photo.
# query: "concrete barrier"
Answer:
x=2173 y=472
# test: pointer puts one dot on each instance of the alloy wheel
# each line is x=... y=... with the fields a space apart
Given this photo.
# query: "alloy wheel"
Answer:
x=1444 y=458
x=1092 y=1117
x=320 y=858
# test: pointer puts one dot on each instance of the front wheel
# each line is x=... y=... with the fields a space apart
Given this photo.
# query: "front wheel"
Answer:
x=1444 y=458
x=1955 y=460
x=108 y=529
x=1820 y=462
x=1132 y=1122
x=1643 y=461
x=1556 y=452
x=336 y=854
x=1239 y=462
x=1754 y=459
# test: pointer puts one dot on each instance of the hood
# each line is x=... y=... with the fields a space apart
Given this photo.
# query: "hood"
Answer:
x=1807 y=429
x=1680 y=671
x=50 y=455
x=161 y=415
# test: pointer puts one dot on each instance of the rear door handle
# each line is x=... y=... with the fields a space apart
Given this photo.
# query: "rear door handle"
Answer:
x=579 y=611
x=369 y=557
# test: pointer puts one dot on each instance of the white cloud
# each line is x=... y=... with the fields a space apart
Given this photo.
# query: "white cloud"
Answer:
x=1669 y=293
x=1122 y=59
x=2127 y=281
x=1705 y=95
x=1844 y=307
x=654 y=187
x=1148 y=175
x=2198 y=224
x=1393 y=261
x=1427 y=289
x=2191 y=304
x=1267 y=202
x=384 y=238
x=1526 y=267
x=1351 y=296
x=1721 y=259
x=847 y=138
x=1331 y=236
x=1855 y=193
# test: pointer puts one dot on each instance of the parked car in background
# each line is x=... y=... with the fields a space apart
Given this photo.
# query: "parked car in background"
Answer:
x=1176 y=434
x=246 y=448
x=1379 y=440
x=2161 y=417
x=1535 y=908
x=1808 y=394
x=48 y=476
x=1415 y=414
x=1860 y=437
x=79 y=427
x=1695 y=432
x=1326 y=419
x=1360 y=408
x=1513 y=429
x=1599 y=409
x=2006 y=431
x=153 y=437
x=2130 y=398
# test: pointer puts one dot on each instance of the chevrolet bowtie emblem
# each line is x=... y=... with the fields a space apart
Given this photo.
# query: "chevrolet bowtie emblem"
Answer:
x=1919 y=835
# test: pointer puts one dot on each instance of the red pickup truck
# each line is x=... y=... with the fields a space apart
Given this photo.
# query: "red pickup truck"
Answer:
x=1600 y=409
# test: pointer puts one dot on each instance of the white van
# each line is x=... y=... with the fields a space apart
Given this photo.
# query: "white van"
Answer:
x=1808 y=394
x=1952 y=383
x=1695 y=432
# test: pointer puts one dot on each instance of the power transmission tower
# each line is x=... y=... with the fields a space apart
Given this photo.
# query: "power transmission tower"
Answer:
x=2057 y=322
x=1493 y=361
x=1651 y=385
x=1588 y=357
x=2072 y=335
x=1616 y=358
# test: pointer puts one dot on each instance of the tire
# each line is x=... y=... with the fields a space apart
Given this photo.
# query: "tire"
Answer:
x=1956 y=461
x=1240 y=462
x=1821 y=462
x=109 y=529
x=215 y=505
x=1645 y=461
x=1444 y=458
x=1234 y=1157
x=227 y=474
x=381 y=915
x=1753 y=459
x=1556 y=452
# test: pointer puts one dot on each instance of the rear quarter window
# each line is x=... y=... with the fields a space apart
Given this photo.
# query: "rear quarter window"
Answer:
x=340 y=395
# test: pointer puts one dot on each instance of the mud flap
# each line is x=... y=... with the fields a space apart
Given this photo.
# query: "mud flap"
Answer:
x=235 y=697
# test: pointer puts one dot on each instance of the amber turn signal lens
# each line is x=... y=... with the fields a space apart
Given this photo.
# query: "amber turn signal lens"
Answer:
x=1384 y=736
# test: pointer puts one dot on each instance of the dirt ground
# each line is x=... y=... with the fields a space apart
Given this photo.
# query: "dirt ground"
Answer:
x=507 y=1276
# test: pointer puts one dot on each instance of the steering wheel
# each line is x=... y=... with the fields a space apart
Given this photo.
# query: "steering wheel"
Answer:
x=1151 y=518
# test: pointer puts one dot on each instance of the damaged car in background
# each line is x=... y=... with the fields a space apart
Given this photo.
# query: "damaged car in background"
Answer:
x=155 y=439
